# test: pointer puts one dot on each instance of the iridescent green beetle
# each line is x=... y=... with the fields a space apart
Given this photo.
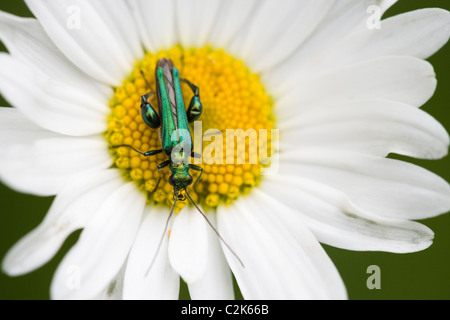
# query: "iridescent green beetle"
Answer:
x=173 y=121
x=176 y=140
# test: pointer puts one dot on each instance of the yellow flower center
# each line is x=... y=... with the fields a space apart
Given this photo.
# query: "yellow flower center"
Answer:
x=232 y=98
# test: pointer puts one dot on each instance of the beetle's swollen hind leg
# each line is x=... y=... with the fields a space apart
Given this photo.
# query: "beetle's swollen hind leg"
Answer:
x=193 y=87
x=149 y=115
x=195 y=106
x=161 y=166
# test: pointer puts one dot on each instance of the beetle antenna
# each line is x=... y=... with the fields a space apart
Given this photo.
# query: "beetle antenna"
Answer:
x=162 y=238
x=215 y=231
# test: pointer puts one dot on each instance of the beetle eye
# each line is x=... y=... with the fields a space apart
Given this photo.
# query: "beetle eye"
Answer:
x=189 y=181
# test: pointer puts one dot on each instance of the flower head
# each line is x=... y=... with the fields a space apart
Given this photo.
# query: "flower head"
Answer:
x=101 y=91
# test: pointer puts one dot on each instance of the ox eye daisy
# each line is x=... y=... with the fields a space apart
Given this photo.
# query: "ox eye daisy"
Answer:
x=103 y=99
x=232 y=97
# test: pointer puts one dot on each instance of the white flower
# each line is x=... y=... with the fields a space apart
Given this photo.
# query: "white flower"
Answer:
x=345 y=97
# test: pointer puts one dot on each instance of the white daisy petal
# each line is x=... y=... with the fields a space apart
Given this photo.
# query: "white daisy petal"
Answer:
x=114 y=290
x=102 y=248
x=234 y=14
x=385 y=187
x=188 y=245
x=385 y=5
x=216 y=283
x=159 y=282
x=370 y=127
x=16 y=129
x=343 y=19
x=195 y=19
x=403 y=79
x=418 y=33
x=42 y=166
x=49 y=103
x=121 y=23
x=277 y=247
x=92 y=36
x=278 y=30
x=156 y=22
x=336 y=221
x=26 y=39
x=72 y=208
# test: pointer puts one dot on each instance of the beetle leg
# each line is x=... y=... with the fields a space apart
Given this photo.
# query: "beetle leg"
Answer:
x=145 y=154
x=161 y=166
x=149 y=115
x=195 y=106
x=196 y=168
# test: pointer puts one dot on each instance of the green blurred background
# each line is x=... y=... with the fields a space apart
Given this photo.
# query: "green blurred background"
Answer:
x=422 y=275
